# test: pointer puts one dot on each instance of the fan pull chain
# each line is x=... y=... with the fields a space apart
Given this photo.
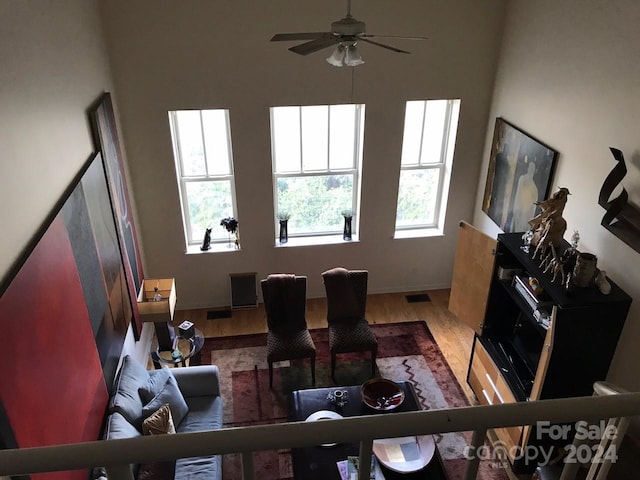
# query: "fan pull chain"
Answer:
x=353 y=75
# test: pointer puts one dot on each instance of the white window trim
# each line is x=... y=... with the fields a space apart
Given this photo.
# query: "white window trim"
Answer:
x=316 y=240
x=444 y=166
x=218 y=244
x=332 y=236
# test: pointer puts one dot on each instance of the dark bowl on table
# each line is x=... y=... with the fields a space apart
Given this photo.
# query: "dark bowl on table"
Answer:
x=382 y=394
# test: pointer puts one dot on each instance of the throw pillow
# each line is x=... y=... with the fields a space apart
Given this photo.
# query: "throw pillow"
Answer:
x=159 y=422
x=172 y=395
x=126 y=399
x=153 y=386
x=119 y=427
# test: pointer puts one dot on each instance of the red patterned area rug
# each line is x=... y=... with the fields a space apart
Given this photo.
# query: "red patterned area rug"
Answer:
x=406 y=351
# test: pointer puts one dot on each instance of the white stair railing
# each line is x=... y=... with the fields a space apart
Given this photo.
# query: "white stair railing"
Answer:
x=116 y=455
x=609 y=445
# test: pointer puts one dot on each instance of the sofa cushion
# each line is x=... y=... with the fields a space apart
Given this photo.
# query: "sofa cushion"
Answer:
x=199 y=467
x=126 y=399
x=170 y=394
x=205 y=413
x=116 y=428
x=119 y=427
x=198 y=381
x=159 y=422
x=155 y=383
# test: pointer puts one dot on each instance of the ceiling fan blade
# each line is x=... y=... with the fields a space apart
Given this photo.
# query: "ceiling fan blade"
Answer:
x=382 y=45
x=286 y=37
x=399 y=37
x=315 y=45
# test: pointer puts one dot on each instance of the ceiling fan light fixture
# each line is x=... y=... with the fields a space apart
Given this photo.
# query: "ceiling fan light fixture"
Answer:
x=345 y=56
x=345 y=32
x=337 y=57
x=352 y=57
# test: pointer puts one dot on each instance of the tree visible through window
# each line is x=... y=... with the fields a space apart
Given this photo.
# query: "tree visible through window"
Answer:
x=204 y=166
x=430 y=128
x=316 y=153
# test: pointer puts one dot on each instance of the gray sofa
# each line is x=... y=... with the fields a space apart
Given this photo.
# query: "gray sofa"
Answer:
x=193 y=394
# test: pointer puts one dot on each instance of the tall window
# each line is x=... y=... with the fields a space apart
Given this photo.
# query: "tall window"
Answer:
x=430 y=128
x=204 y=165
x=317 y=152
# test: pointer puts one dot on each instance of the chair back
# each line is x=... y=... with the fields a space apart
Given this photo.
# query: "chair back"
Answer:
x=346 y=294
x=285 y=299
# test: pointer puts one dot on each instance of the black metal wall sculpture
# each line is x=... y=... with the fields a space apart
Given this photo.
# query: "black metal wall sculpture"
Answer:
x=622 y=219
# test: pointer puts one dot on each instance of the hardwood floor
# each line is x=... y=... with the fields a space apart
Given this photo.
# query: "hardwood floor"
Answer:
x=453 y=337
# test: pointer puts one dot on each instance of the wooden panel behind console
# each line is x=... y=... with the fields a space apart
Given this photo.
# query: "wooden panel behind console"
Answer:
x=472 y=272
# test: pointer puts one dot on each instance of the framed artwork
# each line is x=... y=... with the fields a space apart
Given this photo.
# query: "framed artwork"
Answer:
x=67 y=301
x=519 y=175
x=107 y=141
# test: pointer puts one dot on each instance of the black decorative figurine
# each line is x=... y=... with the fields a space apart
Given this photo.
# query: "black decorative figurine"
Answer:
x=348 y=217
x=206 y=243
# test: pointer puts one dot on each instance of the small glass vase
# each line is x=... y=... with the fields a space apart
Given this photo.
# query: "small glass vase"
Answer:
x=284 y=232
x=346 y=234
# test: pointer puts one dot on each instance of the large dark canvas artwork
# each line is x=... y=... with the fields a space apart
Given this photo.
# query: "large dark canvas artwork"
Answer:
x=107 y=141
x=65 y=311
x=519 y=175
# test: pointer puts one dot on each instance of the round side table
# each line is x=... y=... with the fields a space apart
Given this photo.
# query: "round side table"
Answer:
x=183 y=349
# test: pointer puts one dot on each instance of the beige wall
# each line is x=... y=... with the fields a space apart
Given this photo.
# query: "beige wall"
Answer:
x=53 y=67
x=569 y=74
x=192 y=54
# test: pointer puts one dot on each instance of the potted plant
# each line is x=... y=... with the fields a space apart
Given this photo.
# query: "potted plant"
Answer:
x=348 y=217
x=231 y=226
x=283 y=218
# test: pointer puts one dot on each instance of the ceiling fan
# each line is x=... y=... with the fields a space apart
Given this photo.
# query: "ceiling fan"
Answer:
x=345 y=35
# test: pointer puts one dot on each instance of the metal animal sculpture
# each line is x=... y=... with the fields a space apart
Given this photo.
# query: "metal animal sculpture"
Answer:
x=548 y=226
x=548 y=229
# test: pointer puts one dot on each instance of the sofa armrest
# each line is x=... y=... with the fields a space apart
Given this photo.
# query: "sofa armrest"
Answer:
x=198 y=381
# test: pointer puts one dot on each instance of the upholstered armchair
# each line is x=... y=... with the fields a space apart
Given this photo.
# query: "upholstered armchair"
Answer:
x=349 y=330
x=288 y=337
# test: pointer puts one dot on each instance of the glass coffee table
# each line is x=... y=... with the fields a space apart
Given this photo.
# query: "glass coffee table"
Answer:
x=319 y=462
x=182 y=350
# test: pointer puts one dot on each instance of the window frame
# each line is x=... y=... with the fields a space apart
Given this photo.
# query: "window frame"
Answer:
x=443 y=166
x=184 y=180
x=355 y=171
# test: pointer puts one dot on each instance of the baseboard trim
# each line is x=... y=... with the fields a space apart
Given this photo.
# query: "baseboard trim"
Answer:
x=321 y=294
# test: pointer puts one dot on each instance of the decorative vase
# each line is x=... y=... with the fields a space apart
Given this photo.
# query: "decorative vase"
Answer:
x=284 y=232
x=585 y=270
x=346 y=234
x=602 y=283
